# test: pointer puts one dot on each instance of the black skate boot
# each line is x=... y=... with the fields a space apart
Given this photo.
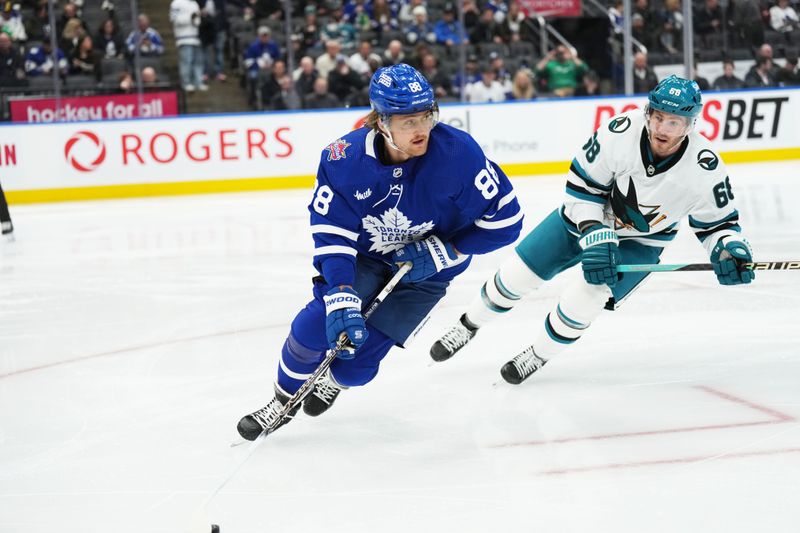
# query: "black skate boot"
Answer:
x=251 y=426
x=456 y=338
x=323 y=395
x=518 y=369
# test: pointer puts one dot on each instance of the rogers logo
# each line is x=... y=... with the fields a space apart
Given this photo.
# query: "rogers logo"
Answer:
x=85 y=151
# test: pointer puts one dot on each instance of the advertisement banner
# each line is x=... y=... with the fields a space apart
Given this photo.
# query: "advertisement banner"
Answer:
x=100 y=107
x=252 y=151
x=551 y=8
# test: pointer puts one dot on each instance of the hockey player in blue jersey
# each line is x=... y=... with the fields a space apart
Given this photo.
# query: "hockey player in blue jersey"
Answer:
x=627 y=191
x=404 y=188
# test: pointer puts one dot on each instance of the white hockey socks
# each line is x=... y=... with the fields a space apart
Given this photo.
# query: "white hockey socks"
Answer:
x=578 y=306
x=502 y=291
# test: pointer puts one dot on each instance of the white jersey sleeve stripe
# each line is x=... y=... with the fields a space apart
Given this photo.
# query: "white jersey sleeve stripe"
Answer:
x=290 y=373
x=328 y=250
x=497 y=224
x=334 y=230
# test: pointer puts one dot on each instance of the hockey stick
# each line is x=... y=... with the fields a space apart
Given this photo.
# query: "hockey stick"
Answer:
x=199 y=521
x=763 y=265
x=331 y=355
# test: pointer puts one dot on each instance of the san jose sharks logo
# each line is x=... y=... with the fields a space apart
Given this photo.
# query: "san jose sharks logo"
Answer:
x=630 y=214
x=619 y=125
x=336 y=150
x=707 y=159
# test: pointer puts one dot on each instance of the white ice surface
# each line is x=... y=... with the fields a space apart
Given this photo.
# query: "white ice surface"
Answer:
x=134 y=334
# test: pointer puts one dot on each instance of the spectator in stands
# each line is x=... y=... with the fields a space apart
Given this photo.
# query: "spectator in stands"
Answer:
x=487 y=89
x=707 y=23
x=728 y=80
x=219 y=14
x=270 y=87
x=471 y=15
x=320 y=98
x=310 y=32
x=287 y=98
x=670 y=34
x=516 y=26
x=421 y=29
x=39 y=60
x=471 y=74
x=271 y=9
x=698 y=79
x=258 y=60
x=304 y=76
x=145 y=38
x=644 y=77
x=640 y=32
x=340 y=30
x=149 y=76
x=486 y=30
x=561 y=71
x=73 y=33
x=85 y=60
x=185 y=18
x=745 y=21
x=765 y=51
x=501 y=73
x=327 y=61
x=761 y=75
x=439 y=80
x=394 y=53
x=11 y=23
x=642 y=8
x=405 y=16
x=590 y=85
x=616 y=17
x=360 y=60
x=344 y=82
x=108 y=40
x=522 y=86
x=68 y=13
x=420 y=51
x=125 y=82
x=789 y=75
x=39 y=24
x=448 y=30
x=384 y=17
x=12 y=68
x=783 y=18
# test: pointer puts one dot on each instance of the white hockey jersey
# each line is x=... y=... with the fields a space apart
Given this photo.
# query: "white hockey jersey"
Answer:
x=616 y=179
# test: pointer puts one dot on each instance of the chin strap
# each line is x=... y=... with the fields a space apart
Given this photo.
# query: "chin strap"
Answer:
x=388 y=136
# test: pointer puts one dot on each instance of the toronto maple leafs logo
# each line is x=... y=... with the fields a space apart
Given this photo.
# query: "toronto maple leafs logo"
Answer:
x=336 y=150
x=392 y=230
x=630 y=214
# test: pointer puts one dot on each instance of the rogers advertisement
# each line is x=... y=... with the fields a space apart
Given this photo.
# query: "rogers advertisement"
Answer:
x=102 y=107
x=255 y=151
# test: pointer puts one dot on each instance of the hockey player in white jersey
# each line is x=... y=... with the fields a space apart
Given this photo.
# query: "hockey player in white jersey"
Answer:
x=627 y=191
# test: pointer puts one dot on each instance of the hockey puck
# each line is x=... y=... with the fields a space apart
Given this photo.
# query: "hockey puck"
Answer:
x=214 y=528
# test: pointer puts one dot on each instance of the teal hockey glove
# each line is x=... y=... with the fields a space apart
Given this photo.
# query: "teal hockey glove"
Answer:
x=600 y=255
x=727 y=257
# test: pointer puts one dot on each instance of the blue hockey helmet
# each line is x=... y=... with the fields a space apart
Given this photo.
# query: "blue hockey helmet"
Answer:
x=400 y=90
x=678 y=96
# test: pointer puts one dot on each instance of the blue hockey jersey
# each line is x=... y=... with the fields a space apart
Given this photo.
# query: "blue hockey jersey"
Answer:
x=361 y=206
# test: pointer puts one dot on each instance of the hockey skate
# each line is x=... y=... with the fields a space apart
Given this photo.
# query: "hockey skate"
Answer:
x=322 y=396
x=266 y=418
x=456 y=338
x=522 y=366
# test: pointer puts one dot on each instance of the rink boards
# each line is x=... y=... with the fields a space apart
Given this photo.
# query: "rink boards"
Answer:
x=280 y=150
